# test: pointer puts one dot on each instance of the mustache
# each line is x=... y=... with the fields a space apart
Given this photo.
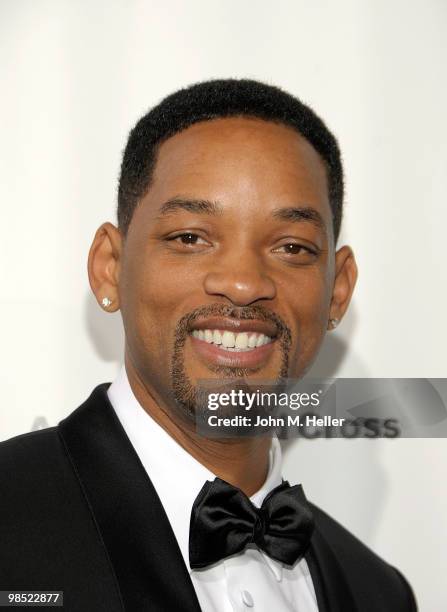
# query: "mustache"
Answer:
x=257 y=312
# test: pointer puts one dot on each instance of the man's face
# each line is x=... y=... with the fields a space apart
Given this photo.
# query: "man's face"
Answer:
x=228 y=265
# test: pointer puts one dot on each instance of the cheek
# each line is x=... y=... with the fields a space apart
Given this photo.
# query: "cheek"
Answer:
x=153 y=295
x=309 y=298
x=309 y=312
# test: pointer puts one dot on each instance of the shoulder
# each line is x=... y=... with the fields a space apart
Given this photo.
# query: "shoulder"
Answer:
x=28 y=448
x=369 y=575
x=43 y=506
x=33 y=466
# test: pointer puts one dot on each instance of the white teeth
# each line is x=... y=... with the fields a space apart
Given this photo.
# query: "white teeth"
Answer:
x=228 y=339
x=260 y=340
x=252 y=341
x=232 y=341
x=241 y=340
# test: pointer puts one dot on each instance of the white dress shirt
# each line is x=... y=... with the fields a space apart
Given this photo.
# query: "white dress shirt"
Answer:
x=247 y=581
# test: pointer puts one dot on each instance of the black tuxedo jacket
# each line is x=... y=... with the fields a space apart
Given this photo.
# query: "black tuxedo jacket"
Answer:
x=79 y=514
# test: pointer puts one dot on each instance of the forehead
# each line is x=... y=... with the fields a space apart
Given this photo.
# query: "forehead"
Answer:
x=240 y=159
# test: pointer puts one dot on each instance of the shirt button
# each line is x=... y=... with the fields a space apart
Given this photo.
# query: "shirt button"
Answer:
x=247 y=599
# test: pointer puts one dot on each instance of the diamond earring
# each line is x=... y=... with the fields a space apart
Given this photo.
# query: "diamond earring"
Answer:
x=106 y=302
x=334 y=323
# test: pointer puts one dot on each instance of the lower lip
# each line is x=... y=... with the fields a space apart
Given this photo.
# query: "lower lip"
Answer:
x=212 y=353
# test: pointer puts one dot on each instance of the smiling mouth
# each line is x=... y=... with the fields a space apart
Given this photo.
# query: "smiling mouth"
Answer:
x=234 y=343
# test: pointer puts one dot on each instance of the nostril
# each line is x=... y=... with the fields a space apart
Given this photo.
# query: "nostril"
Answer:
x=241 y=289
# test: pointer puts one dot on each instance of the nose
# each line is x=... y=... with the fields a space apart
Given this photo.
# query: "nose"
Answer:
x=241 y=278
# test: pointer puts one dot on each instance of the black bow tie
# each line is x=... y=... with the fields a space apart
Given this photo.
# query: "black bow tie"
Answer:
x=224 y=521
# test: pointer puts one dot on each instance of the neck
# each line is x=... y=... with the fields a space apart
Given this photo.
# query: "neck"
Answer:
x=243 y=462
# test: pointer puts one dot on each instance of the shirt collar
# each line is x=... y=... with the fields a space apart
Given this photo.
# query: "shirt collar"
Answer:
x=175 y=474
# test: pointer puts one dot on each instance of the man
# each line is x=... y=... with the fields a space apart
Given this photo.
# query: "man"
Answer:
x=224 y=266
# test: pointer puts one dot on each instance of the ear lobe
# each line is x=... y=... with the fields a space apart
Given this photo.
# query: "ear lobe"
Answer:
x=104 y=266
x=345 y=279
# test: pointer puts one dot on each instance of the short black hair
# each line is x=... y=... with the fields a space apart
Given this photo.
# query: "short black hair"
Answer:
x=213 y=100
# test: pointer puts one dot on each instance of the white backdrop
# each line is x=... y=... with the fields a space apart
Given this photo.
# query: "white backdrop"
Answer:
x=75 y=77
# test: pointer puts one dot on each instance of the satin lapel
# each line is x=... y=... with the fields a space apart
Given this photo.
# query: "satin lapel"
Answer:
x=331 y=587
x=135 y=530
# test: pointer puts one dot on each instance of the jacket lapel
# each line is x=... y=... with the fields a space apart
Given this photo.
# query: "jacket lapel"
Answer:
x=130 y=518
x=330 y=582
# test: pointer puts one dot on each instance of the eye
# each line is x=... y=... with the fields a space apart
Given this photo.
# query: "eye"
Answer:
x=293 y=249
x=295 y=252
x=187 y=239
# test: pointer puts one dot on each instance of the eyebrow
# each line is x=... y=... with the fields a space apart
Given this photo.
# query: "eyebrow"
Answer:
x=194 y=206
x=298 y=214
x=295 y=214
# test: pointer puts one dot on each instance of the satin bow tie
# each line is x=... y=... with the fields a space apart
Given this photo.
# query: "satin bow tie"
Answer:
x=224 y=521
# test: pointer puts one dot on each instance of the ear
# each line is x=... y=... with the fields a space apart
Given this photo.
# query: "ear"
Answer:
x=104 y=266
x=344 y=283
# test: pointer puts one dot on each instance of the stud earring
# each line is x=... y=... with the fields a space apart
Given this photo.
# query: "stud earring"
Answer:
x=334 y=323
x=106 y=302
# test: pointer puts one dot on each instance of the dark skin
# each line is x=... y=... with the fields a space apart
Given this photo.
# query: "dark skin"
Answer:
x=242 y=252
